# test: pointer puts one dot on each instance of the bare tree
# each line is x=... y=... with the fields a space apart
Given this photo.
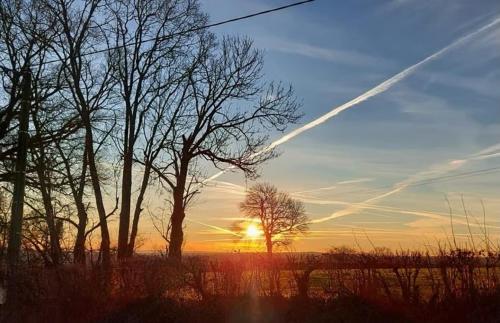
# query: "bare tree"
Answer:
x=25 y=33
x=52 y=126
x=28 y=31
x=280 y=216
x=74 y=160
x=162 y=225
x=18 y=47
x=87 y=89
x=152 y=40
x=222 y=116
x=146 y=76
x=47 y=183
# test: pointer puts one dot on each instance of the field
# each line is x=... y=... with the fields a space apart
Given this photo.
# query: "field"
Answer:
x=339 y=286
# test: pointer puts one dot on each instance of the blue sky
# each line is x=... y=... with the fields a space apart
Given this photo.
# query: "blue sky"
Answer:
x=442 y=120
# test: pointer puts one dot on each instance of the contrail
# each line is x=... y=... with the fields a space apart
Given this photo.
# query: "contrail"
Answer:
x=457 y=219
x=215 y=228
x=415 y=179
x=227 y=187
x=328 y=188
x=382 y=87
x=486 y=153
x=355 y=181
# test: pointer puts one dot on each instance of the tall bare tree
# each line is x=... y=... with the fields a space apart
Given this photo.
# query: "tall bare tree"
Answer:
x=144 y=76
x=280 y=216
x=223 y=117
x=25 y=33
x=74 y=161
x=152 y=40
x=88 y=89
x=52 y=181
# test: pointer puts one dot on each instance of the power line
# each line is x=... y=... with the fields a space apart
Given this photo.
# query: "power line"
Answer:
x=428 y=181
x=165 y=37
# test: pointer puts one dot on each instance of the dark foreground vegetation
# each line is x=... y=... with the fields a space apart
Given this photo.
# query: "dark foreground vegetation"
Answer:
x=107 y=105
x=340 y=286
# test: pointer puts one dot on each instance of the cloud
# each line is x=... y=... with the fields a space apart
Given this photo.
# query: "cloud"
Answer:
x=332 y=187
x=353 y=208
x=355 y=181
x=337 y=56
x=488 y=44
x=382 y=87
x=225 y=188
x=483 y=85
x=487 y=153
x=217 y=228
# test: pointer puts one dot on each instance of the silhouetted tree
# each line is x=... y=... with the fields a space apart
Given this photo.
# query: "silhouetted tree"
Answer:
x=88 y=90
x=25 y=35
x=147 y=75
x=222 y=117
x=280 y=216
x=145 y=82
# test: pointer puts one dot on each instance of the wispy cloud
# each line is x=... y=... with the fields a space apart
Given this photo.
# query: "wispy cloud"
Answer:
x=353 y=208
x=325 y=54
x=355 y=181
x=484 y=85
x=332 y=187
x=487 y=153
x=442 y=218
x=236 y=219
x=382 y=87
x=226 y=187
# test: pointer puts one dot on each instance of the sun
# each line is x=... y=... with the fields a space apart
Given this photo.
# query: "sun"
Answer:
x=252 y=231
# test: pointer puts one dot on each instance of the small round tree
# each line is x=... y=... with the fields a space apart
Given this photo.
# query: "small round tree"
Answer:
x=280 y=216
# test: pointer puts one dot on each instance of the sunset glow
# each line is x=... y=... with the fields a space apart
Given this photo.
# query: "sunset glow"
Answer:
x=253 y=232
x=250 y=161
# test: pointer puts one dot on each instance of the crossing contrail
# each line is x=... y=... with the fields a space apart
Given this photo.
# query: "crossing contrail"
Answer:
x=490 y=152
x=414 y=179
x=220 y=229
x=382 y=87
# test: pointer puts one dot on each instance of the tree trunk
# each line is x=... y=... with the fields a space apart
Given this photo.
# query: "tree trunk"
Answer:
x=77 y=192
x=177 y=218
x=138 y=210
x=55 y=248
x=45 y=190
x=94 y=175
x=15 y=230
x=125 y=205
x=269 y=246
x=176 y=233
x=271 y=266
x=79 y=247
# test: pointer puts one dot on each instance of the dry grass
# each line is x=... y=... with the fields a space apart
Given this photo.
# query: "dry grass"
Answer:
x=456 y=284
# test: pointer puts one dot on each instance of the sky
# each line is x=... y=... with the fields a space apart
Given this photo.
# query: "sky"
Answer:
x=384 y=172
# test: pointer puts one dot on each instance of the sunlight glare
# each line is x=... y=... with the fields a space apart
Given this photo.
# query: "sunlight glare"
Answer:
x=252 y=231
